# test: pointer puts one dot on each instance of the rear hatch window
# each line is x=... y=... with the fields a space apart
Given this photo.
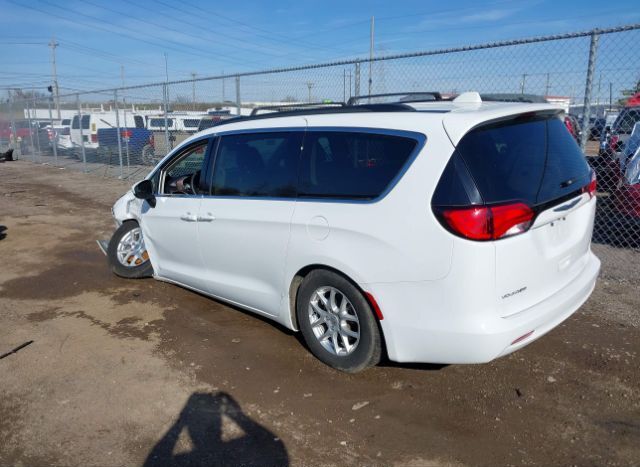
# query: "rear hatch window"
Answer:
x=532 y=160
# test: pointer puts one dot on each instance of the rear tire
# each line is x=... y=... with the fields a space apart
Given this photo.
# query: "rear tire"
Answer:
x=337 y=322
x=127 y=254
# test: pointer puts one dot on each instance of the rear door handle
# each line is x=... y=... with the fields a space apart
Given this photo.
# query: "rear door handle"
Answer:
x=188 y=217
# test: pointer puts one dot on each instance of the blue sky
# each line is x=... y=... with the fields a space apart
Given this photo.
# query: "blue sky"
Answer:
x=208 y=37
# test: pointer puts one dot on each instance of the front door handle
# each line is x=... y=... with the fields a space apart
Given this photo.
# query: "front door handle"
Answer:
x=188 y=217
x=208 y=218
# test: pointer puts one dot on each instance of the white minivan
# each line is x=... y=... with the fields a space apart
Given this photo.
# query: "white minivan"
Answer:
x=85 y=126
x=449 y=231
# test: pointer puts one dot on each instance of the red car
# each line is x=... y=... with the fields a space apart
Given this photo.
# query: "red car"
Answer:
x=626 y=196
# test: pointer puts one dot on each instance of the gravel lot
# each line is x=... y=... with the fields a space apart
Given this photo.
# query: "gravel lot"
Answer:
x=134 y=372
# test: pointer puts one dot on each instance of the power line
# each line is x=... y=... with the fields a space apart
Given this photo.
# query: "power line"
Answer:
x=152 y=23
x=97 y=26
x=265 y=34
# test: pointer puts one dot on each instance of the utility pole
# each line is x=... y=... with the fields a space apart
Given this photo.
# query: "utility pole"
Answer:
x=610 y=95
x=524 y=79
x=598 y=98
x=193 y=89
x=371 y=53
x=546 y=86
x=309 y=86
x=344 y=85
x=53 y=44
x=166 y=78
x=223 y=93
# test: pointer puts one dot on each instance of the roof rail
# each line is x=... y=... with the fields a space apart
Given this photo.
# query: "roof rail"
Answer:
x=296 y=106
x=508 y=97
x=319 y=111
x=405 y=97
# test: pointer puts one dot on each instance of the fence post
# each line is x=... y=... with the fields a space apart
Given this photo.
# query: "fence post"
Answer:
x=37 y=153
x=54 y=140
x=356 y=90
x=33 y=148
x=591 y=68
x=13 y=135
x=238 y=103
x=84 y=155
x=165 y=97
x=115 y=100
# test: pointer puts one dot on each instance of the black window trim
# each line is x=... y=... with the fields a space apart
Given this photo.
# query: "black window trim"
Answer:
x=419 y=138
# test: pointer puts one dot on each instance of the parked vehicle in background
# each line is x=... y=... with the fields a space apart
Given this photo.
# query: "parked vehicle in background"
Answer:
x=137 y=145
x=84 y=128
x=60 y=135
x=573 y=125
x=179 y=125
x=175 y=122
x=627 y=193
x=612 y=144
x=498 y=195
x=25 y=131
x=622 y=128
x=596 y=127
x=212 y=120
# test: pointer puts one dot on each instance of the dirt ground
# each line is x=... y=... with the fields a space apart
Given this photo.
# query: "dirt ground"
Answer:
x=142 y=372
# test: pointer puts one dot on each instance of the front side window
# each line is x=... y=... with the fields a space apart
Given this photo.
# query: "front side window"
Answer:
x=257 y=165
x=351 y=165
x=182 y=176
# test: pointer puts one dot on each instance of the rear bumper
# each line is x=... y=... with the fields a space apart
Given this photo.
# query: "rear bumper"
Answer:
x=435 y=336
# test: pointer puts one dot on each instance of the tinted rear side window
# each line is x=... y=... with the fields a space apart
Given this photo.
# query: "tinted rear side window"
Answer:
x=348 y=165
x=138 y=121
x=534 y=160
x=85 y=121
x=257 y=165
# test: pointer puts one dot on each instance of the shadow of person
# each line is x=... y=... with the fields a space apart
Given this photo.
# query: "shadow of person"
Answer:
x=3 y=232
x=220 y=434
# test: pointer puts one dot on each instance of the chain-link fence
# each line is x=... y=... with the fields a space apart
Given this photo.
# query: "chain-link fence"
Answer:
x=594 y=75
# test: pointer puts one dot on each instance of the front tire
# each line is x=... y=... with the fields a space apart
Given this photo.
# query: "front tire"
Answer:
x=127 y=254
x=337 y=322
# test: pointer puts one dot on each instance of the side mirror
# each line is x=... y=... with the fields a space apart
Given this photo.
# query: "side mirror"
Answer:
x=144 y=190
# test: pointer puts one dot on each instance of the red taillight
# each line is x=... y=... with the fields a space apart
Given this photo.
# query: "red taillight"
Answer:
x=489 y=222
x=94 y=138
x=591 y=187
x=613 y=142
x=473 y=223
